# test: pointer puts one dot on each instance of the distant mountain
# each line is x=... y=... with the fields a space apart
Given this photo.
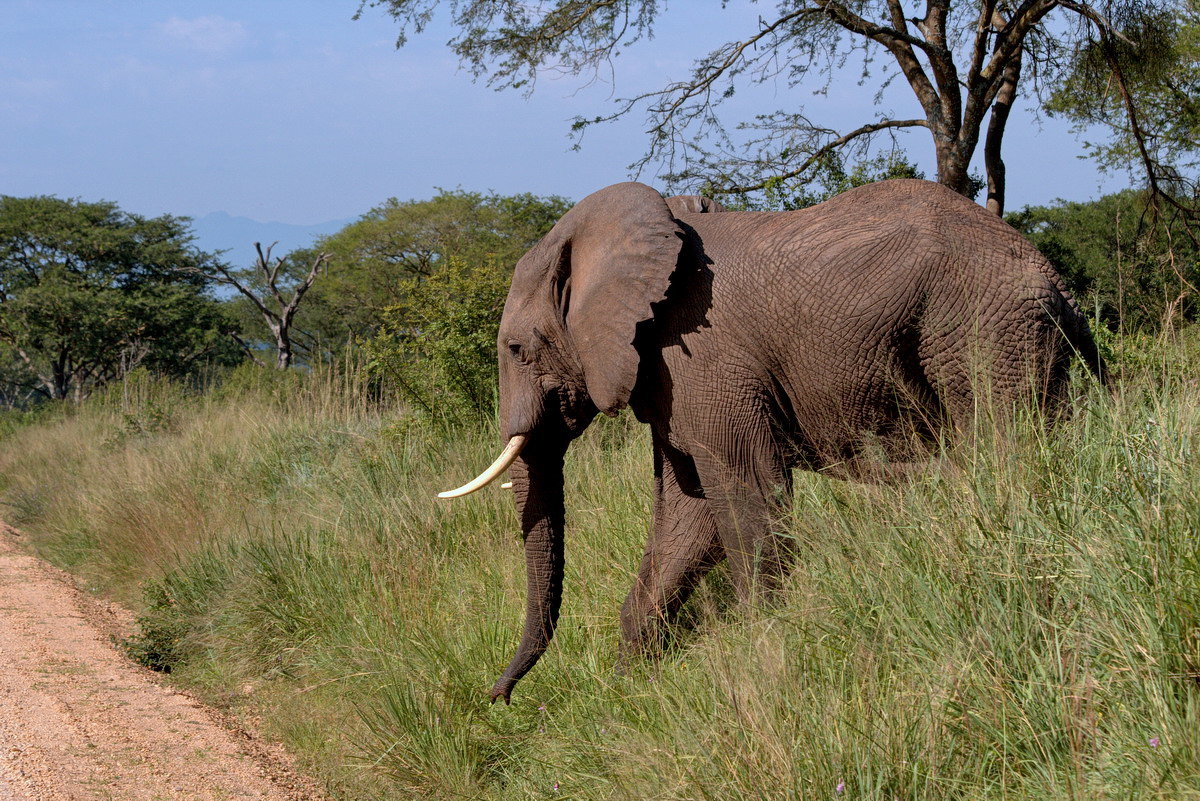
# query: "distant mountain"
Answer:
x=237 y=235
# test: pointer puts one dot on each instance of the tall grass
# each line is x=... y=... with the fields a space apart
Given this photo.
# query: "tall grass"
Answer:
x=1022 y=621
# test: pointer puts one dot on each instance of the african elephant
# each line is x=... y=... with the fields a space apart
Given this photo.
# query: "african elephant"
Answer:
x=752 y=343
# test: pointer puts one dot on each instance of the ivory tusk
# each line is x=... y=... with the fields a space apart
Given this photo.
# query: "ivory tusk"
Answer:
x=506 y=485
x=511 y=451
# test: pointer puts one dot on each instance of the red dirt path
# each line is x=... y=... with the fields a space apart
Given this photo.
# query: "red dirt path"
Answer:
x=80 y=722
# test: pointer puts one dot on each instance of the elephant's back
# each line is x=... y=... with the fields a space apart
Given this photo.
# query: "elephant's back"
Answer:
x=884 y=291
x=856 y=260
x=873 y=242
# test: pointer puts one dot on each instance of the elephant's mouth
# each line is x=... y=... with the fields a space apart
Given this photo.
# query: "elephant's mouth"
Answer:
x=509 y=455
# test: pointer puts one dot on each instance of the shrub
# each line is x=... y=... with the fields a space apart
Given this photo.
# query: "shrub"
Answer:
x=439 y=349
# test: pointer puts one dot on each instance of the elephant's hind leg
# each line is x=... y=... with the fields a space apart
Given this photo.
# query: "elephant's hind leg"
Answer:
x=683 y=546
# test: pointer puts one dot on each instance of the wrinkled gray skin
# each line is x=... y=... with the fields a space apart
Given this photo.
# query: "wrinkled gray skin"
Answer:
x=752 y=343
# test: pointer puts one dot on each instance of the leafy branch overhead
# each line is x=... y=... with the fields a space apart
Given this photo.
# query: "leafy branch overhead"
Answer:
x=1142 y=90
x=964 y=61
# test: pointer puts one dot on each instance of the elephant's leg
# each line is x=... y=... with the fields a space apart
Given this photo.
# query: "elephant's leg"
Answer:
x=683 y=546
x=749 y=487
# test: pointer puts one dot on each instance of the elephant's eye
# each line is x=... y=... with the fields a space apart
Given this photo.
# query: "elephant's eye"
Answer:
x=516 y=351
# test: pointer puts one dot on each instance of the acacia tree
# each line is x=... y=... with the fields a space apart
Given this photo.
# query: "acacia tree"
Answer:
x=89 y=292
x=964 y=60
x=1143 y=90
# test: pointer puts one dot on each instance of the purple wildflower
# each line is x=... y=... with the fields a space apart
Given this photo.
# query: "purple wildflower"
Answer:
x=1154 y=742
x=841 y=788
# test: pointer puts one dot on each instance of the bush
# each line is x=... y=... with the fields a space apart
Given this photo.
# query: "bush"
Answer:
x=439 y=349
x=1134 y=272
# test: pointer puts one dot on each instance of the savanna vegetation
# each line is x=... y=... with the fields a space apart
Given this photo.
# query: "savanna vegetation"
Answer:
x=1021 y=620
x=89 y=293
x=1018 y=622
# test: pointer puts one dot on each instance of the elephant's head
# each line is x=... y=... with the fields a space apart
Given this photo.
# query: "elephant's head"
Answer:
x=566 y=350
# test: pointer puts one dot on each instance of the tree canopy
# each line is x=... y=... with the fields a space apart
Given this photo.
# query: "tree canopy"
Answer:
x=1153 y=70
x=89 y=292
x=964 y=60
x=376 y=262
x=1130 y=275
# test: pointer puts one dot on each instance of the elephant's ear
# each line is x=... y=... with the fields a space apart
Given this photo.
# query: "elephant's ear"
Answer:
x=623 y=247
x=692 y=204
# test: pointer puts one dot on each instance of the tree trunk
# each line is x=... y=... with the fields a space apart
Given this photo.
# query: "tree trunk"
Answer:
x=953 y=159
x=284 y=348
x=62 y=379
x=995 y=136
x=283 y=345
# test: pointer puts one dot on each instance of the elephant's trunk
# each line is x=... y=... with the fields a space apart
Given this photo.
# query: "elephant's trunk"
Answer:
x=538 y=485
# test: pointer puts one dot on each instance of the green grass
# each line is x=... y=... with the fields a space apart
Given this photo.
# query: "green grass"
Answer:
x=1022 y=622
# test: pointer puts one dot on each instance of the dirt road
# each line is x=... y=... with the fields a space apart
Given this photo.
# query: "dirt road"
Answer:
x=79 y=722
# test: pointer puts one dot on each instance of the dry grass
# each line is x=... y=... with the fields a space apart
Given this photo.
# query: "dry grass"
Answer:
x=1022 y=623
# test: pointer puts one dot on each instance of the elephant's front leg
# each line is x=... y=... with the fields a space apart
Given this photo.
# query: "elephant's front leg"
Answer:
x=683 y=546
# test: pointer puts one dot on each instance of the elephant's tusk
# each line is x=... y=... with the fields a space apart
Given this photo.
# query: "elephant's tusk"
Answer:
x=511 y=451
x=506 y=485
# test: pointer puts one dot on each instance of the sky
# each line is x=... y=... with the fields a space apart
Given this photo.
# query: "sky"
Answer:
x=291 y=111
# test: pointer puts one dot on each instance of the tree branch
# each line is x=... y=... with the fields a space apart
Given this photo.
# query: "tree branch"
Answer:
x=731 y=54
x=1149 y=162
x=993 y=163
x=290 y=309
x=245 y=346
x=900 y=45
x=822 y=151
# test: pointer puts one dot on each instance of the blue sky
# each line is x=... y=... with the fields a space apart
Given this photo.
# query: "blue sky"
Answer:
x=291 y=111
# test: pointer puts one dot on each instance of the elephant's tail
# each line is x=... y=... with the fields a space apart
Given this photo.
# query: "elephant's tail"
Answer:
x=1078 y=334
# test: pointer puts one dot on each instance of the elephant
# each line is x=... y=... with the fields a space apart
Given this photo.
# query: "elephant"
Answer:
x=753 y=343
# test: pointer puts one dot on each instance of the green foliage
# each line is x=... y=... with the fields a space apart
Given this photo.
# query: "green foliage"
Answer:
x=15 y=419
x=1159 y=58
x=88 y=292
x=1130 y=269
x=157 y=644
x=1018 y=623
x=439 y=347
x=421 y=285
x=377 y=261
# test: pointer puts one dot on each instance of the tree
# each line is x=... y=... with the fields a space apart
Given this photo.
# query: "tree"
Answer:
x=964 y=61
x=1143 y=89
x=89 y=292
x=376 y=262
x=439 y=346
x=274 y=292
